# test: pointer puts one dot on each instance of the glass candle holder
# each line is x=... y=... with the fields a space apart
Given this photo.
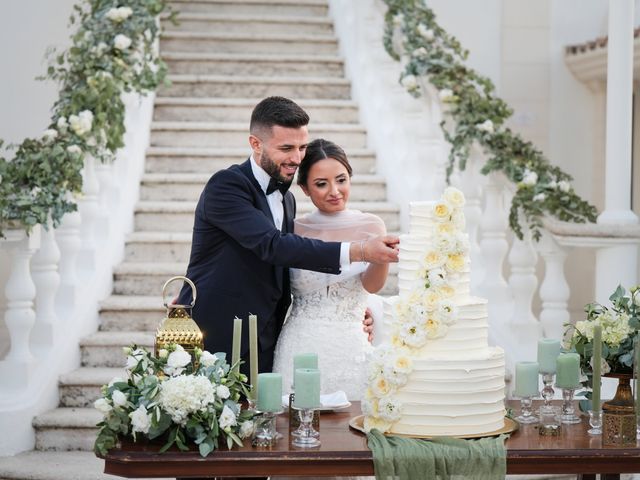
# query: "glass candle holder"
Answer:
x=547 y=392
x=595 y=421
x=305 y=436
x=568 y=415
x=550 y=422
x=526 y=412
x=265 y=433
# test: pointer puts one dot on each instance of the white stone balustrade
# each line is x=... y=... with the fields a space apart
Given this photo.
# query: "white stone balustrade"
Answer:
x=20 y=317
x=44 y=268
x=89 y=208
x=69 y=241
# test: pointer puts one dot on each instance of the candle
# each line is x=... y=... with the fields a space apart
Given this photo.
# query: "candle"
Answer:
x=548 y=350
x=269 y=387
x=307 y=381
x=237 y=338
x=596 y=361
x=304 y=360
x=568 y=374
x=527 y=379
x=253 y=354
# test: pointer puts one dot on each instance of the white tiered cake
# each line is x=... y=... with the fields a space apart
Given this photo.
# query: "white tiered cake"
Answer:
x=435 y=374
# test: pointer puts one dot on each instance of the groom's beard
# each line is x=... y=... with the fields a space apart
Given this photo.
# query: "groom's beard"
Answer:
x=273 y=170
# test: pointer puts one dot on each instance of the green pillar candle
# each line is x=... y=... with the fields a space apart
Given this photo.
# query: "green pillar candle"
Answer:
x=527 y=379
x=269 y=392
x=253 y=354
x=548 y=350
x=307 y=381
x=596 y=361
x=237 y=338
x=304 y=360
x=568 y=373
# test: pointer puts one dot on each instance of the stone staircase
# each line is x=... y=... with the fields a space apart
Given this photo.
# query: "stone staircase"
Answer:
x=223 y=58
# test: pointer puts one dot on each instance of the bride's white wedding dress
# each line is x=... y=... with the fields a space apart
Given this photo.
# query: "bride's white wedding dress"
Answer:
x=326 y=318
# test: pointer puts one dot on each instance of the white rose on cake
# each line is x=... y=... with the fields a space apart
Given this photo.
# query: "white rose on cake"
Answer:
x=432 y=298
x=458 y=220
x=456 y=263
x=380 y=387
x=435 y=328
x=413 y=334
x=436 y=277
x=442 y=211
x=446 y=244
x=389 y=410
x=454 y=197
x=446 y=312
x=434 y=259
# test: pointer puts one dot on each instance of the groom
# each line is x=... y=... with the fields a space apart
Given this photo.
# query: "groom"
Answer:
x=243 y=243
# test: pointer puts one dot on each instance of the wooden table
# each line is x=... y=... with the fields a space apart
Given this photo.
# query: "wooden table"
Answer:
x=344 y=452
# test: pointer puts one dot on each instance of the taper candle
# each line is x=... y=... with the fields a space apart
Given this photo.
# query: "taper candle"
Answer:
x=568 y=373
x=237 y=338
x=253 y=354
x=548 y=350
x=307 y=381
x=596 y=362
x=269 y=386
x=527 y=379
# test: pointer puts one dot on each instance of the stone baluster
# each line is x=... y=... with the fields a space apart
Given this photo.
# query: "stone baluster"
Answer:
x=69 y=242
x=107 y=201
x=554 y=290
x=44 y=268
x=494 y=247
x=523 y=282
x=20 y=317
x=89 y=209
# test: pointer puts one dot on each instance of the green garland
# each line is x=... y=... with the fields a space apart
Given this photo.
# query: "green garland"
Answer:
x=112 y=52
x=479 y=116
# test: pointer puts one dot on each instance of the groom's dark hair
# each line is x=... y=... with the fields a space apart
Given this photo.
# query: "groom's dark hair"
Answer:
x=277 y=111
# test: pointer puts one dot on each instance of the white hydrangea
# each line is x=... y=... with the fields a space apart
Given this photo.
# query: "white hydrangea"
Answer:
x=121 y=42
x=185 y=394
x=140 y=420
x=486 y=126
x=227 y=418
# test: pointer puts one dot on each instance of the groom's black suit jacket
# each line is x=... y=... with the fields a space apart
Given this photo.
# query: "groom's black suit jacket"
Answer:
x=239 y=261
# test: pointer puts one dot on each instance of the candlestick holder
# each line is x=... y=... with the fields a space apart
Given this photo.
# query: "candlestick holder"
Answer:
x=294 y=419
x=568 y=415
x=305 y=436
x=547 y=392
x=265 y=433
x=595 y=420
x=526 y=412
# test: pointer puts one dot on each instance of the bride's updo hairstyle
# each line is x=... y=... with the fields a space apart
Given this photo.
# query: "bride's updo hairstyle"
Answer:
x=320 y=149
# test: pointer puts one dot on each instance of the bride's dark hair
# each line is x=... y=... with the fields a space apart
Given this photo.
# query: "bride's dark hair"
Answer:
x=317 y=150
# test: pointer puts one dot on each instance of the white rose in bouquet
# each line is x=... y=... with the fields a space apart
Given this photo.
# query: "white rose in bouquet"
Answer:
x=540 y=197
x=103 y=406
x=246 y=429
x=434 y=259
x=140 y=420
x=177 y=360
x=227 y=418
x=208 y=359
x=223 y=392
x=119 y=398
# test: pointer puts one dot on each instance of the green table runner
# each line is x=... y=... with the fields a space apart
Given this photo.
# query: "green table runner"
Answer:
x=400 y=458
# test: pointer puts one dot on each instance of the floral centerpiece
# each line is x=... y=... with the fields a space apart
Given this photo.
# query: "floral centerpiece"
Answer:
x=620 y=325
x=175 y=398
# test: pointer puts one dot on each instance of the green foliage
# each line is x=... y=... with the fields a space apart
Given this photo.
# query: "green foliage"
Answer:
x=478 y=116
x=110 y=55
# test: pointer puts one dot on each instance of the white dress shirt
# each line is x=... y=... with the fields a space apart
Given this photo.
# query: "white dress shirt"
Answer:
x=274 y=199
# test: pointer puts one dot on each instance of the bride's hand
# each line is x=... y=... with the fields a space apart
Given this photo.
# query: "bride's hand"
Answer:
x=377 y=250
x=367 y=324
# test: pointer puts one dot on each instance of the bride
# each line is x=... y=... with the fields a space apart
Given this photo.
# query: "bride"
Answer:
x=327 y=310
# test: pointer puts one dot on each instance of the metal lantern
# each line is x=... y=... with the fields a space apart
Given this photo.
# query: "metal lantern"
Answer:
x=178 y=327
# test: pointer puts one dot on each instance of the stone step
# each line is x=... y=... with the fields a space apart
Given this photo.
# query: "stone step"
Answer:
x=178 y=216
x=146 y=279
x=67 y=429
x=188 y=186
x=218 y=134
x=260 y=24
x=215 y=42
x=212 y=159
x=158 y=246
x=256 y=65
x=266 y=8
x=239 y=109
x=138 y=313
x=37 y=465
x=230 y=86
x=82 y=387
x=104 y=348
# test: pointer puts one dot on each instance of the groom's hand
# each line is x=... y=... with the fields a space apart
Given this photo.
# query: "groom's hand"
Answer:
x=367 y=324
x=376 y=250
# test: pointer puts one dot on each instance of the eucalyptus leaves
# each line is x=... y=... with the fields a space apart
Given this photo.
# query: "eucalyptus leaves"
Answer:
x=478 y=117
x=112 y=52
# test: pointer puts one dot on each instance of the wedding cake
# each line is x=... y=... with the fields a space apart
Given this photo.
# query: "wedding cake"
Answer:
x=434 y=373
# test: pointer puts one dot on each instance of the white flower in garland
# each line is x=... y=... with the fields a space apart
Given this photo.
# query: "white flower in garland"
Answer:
x=446 y=95
x=529 y=178
x=121 y=42
x=446 y=244
x=410 y=82
x=81 y=124
x=425 y=32
x=420 y=52
x=540 y=197
x=62 y=124
x=456 y=263
x=223 y=392
x=118 y=15
x=398 y=19
x=564 y=186
x=486 y=126
x=49 y=135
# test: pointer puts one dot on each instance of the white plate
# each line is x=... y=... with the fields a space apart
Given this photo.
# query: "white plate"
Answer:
x=326 y=407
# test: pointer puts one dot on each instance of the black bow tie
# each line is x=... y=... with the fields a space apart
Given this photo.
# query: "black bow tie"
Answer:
x=277 y=185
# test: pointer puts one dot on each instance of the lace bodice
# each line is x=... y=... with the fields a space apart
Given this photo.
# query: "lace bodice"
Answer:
x=326 y=318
